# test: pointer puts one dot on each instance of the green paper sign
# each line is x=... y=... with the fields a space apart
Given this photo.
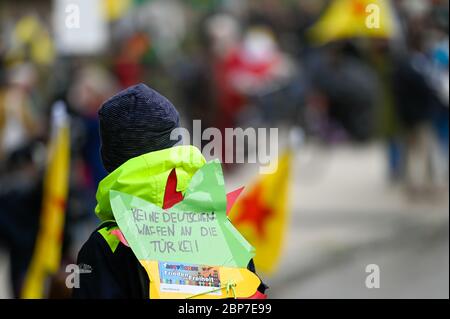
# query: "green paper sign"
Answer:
x=196 y=230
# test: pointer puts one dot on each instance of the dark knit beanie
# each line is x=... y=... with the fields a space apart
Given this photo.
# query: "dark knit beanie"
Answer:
x=135 y=121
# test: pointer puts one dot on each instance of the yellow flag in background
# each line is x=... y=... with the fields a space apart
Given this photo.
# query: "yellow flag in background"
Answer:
x=355 y=18
x=30 y=32
x=261 y=214
x=47 y=252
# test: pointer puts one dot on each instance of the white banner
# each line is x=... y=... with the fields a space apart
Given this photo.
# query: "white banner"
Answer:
x=80 y=26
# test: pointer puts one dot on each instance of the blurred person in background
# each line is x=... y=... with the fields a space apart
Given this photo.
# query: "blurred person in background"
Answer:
x=245 y=68
x=439 y=54
x=224 y=35
x=344 y=89
x=421 y=104
x=21 y=170
x=20 y=208
x=91 y=85
x=18 y=123
x=128 y=63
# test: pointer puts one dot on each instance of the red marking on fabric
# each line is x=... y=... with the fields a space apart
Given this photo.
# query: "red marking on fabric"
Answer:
x=59 y=202
x=358 y=8
x=232 y=197
x=118 y=233
x=257 y=295
x=254 y=211
x=171 y=195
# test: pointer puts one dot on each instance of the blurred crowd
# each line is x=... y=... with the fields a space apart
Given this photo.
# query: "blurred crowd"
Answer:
x=230 y=64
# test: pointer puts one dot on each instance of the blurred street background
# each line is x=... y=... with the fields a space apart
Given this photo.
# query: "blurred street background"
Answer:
x=359 y=93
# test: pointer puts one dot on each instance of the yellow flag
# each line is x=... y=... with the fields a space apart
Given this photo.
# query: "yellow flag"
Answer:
x=29 y=31
x=47 y=252
x=115 y=9
x=355 y=18
x=261 y=214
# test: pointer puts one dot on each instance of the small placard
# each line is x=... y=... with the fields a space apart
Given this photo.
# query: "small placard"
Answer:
x=189 y=278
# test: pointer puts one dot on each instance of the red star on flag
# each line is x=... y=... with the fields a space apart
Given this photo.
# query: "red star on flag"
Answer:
x=254 y=211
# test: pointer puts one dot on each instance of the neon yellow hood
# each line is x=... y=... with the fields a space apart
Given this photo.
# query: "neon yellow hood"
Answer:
x=145 y=176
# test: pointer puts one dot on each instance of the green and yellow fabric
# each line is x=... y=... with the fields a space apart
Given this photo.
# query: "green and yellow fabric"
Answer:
x=139 y=184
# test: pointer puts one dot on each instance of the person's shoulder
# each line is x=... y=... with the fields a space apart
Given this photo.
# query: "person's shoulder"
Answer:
x=95 y=243
x=103 y=243
x=100 y=239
